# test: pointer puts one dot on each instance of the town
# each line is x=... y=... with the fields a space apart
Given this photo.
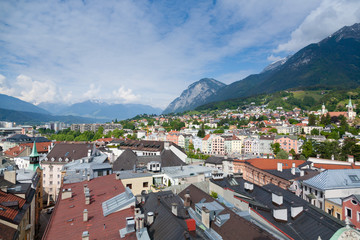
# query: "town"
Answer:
x=249 y=173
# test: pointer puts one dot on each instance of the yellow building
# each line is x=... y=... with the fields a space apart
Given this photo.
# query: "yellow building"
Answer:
x=333 y=206
x=136 y=181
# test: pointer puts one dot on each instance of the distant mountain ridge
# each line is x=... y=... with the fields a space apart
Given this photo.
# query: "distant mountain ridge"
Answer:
x=332 y=62
x=12 y=103
x=101 y=110
x=195 y=95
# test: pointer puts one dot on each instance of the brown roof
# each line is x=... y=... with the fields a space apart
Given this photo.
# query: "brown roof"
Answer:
x=337 y=114
x=41 y=147
x=234 y=228
x=271 y=164
x=72 y=151
x=9 y=213
x=67 y=219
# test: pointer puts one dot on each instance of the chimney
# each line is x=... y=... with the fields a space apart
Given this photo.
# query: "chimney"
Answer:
x=85 y=235
x=317 y=155
x=66 y=193
x=89 y=153
x=187 y=201
x=205 y=217
x=137 y=211
x=85 y=215
x=277 y=199
x=301 y=173
x=166 y=145
x=280 y=214
x=332 y=157
x=117 y=176
x=279 y=166
x=139 y=222
x=150 y=218
x=350 y=158
x=293 y=171
x=174 y=208
x=296 y=210
x=87 y=197
x=10 y=176
x=290 y=156
x=293 y=165
x=88 y=177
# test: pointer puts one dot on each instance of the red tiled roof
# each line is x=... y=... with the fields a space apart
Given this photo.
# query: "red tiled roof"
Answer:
x=42 y=147
x=101 y=189
x=336 y=114
x=271 y=164
x=9 y=212
x=206 y=137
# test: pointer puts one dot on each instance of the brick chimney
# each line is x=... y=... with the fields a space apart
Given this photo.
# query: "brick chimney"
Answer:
x=205 y=217
x=85 y=235
x=85 y=215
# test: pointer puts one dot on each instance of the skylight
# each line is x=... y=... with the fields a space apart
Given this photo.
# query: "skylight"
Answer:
x=354 y=178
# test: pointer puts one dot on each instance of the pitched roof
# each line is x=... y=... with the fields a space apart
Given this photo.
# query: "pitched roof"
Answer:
x=271 y=164
x=7 y=212
x=234 y=228
x=335 y=179
x=72 y=151
x=310 y=224
x=67 y=219
x=166 y=225
x=125 y=161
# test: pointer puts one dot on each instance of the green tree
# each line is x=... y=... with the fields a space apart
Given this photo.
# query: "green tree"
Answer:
x=201 y=132
x=315 y=131
x=282 y=155
x=275 y=148
x=312 y=120
x=307 y=149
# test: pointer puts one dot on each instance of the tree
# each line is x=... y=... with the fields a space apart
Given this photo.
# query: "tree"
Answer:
x=214 y=194
x=282 y=155
x=307 y=148
x=292 y=151
x=201 y=132
x=315 y=131
x=273 y=130
x=312 y=120
x=275 y=148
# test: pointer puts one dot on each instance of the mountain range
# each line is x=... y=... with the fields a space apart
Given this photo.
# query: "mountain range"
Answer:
x=332 y=62
x=16 y=110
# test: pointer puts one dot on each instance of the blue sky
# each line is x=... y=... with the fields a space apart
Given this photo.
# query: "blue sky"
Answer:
x=150 y=51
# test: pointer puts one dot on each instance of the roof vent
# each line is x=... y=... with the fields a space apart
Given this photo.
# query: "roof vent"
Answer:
x=277 y=199
x=85 y=215
x=150 y=218
x=174 y=208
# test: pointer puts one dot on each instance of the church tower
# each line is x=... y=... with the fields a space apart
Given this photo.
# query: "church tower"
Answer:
x=34 y=159
x=323 y=109
x=351 y=113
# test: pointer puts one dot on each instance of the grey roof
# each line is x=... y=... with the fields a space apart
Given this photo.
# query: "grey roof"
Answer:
x=310 y=224
x=186 y=171
x=214 y=160
x=335 y=179
x=128 y=159
x=131 y=174
x=166 y=225
x=71 y=151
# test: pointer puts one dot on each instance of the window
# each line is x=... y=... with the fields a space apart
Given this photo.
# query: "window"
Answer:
x=51 y=182
x=51 y=175
x=321 y=194
x=305 y=188
x=58 y=175
x=315 y=192
x=329 y=211
x=338 y=216
x=129 y=185
x=44 y=174
x=354 y=178
x=348 y=212
x=358 y=216
x=145 y=184
x=100 y=173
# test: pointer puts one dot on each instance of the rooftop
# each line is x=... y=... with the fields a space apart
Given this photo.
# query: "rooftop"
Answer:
x=67 y=218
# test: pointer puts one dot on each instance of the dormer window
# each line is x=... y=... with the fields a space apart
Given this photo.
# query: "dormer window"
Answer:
x=354 y=202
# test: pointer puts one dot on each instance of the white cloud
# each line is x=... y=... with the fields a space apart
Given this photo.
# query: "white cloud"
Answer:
x=327 y=18
x=145 y=50
x=273 y=58
x=125 y=95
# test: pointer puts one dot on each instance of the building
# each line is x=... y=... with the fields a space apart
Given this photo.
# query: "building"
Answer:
x=137 y=182
x=52 y=165
x=218 y=221
x=217 y=145
x=276 y=210
x=351 y=209
x=331 y=184
x=263 y=171
x=265 y=142
x=287 y=143
x=101 y=208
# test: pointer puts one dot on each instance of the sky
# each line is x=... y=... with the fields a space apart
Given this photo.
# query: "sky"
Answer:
x=148 y=52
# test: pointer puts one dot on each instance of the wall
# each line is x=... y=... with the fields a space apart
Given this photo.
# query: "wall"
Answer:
x=137 y=184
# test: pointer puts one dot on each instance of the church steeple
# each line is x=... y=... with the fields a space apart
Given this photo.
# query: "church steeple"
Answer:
x=34 y=158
